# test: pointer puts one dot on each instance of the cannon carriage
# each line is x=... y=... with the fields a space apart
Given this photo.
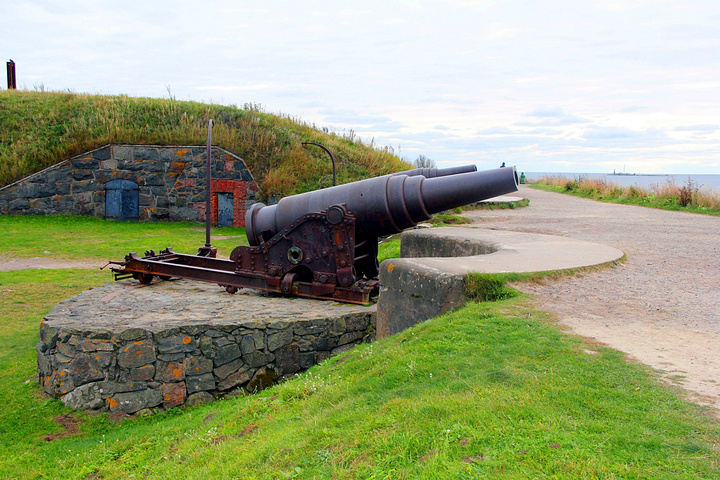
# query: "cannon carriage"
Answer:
x=323 y=244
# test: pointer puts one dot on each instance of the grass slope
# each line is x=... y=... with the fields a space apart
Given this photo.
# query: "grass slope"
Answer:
x=39 y=129
x=494 y=390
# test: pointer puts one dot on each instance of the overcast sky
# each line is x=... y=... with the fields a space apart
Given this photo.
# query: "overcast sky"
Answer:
x=551 y=86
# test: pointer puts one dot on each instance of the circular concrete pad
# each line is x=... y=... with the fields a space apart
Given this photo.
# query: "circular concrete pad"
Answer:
x=500 y=251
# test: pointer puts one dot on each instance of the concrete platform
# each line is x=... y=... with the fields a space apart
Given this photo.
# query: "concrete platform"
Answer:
x=500 y=251
x=429 y=279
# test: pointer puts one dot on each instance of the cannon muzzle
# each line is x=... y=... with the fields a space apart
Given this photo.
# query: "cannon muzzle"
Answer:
x=384 y=205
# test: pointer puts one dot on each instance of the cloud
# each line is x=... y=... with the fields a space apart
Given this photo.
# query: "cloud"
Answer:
x=546 y=112
x=625 y=138
x=697 y=128
x=363 y=124
x=633 y=108
x=238 y=88
x=545 y=131
x=608 y=133
x=554 y=122
x=552 y=116
x=495 y=131
x=357 y=119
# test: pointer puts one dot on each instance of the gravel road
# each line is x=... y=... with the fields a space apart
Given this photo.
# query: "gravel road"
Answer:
x=661 y=307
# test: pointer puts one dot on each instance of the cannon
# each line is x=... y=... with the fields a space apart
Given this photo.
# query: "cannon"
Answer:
x=324 y=244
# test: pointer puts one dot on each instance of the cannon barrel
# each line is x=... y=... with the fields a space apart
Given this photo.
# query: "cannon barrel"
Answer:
x=437 y=172
x=383 y=205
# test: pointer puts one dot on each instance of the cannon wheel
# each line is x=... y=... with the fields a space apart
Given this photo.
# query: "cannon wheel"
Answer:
x=145 y=278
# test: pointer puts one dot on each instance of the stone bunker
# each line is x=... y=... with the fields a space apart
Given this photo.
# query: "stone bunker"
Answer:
x=138 y=182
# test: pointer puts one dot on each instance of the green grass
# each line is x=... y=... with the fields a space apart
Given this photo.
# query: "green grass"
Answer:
x=443 y=220
x=494 y=390
x=495 y=206
x=26 y=296
x=67 y=237
x=389 y=248
x=40 y=129
x=485 y=287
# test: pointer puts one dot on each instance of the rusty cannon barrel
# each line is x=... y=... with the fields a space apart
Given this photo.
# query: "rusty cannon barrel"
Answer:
x=384 y=205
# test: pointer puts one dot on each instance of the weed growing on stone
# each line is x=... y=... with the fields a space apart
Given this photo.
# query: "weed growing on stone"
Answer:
x=484 y=287
x=441 y=220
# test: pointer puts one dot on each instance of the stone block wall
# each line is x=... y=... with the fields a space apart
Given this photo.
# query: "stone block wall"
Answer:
x=171 y=183
x=133 y=369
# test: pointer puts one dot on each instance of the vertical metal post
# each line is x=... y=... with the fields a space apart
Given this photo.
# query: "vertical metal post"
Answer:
x=208 y=191
x=12 y=84
x=332 y=159
x=208 y=250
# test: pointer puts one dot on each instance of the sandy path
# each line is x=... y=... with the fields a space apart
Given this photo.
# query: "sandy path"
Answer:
x=7 y=264
x=662 y=306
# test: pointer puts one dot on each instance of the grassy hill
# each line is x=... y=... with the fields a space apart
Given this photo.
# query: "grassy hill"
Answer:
x=39 y=129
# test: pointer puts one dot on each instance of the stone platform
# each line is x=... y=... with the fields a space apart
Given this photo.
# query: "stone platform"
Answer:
x=128 y=347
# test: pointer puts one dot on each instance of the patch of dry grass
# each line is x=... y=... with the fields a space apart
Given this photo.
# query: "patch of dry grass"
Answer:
x=669 y=195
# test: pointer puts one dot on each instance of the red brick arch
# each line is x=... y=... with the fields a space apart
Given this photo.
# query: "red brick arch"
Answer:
x=239 y=190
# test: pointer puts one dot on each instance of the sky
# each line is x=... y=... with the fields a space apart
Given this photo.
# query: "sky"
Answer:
x=549 y=86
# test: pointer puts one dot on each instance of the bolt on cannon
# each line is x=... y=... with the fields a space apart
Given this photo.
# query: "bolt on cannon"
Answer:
x=323 y=244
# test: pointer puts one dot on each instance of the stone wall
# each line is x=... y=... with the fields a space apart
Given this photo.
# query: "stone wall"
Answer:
x=170 y=181
x=123 y=347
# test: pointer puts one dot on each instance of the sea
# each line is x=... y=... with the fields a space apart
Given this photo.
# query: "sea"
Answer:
x=711 y=181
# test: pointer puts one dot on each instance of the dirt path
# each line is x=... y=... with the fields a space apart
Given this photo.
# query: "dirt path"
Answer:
x=7 y=264
x=661 y=307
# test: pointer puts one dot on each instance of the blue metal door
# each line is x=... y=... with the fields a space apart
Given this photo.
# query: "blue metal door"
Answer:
x=122 y=200
x=225 y=209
